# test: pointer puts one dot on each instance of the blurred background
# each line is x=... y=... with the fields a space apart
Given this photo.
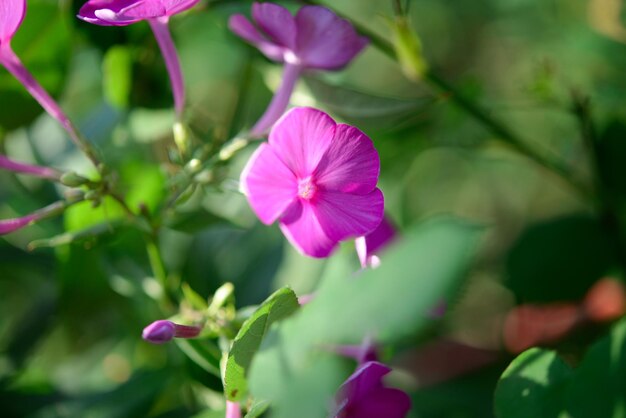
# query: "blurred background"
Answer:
x=71 y=315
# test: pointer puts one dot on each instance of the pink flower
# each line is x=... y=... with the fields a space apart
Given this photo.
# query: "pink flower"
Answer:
x=157 y=13
x=315 y=38
x=33 y=170
x=10 y=225
x=368 y=246
x=162 y=331
x=233 y=410
x=318 y=179
x=12 y=14
x=364 y=395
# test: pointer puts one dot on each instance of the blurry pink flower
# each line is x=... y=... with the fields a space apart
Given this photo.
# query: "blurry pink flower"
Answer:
x=11 y=225
x=162 y=331
x=233 y=410
x=364 y=395
x=318 y=179
x=368 y=246
x=157 y=13
x=315 y=38
x=12 y=14
x=33 y=170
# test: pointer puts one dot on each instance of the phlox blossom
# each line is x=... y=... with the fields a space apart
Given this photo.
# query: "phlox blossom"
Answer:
x=316 y=178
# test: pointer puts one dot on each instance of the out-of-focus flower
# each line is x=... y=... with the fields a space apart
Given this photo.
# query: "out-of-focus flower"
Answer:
x=364 y=395
x=362 y=353
x=368 y=246
x=315 y=38
x=33 y=170
x=233 y=410
x=162 y=331
x=10 y=225
x=12 y=14
x=318 y=179
x=605 y=301
x=157 y=13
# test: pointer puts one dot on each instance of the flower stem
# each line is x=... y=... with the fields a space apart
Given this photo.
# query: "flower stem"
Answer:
x=172 y=63
x=13 y=64
x=279 y=102
x=33 y=170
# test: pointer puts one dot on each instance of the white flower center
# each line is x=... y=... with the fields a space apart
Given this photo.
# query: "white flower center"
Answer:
x=307 y=188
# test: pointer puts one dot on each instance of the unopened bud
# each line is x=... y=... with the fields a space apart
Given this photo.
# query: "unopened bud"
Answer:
x=73 y=180
x=162 y=331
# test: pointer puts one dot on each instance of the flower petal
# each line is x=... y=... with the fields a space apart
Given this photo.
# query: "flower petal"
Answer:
x=351 y=164
x=364 y=381
x=268 y=184
x=10 y=225
x=276 y=22
x=11 y=16
x=384 y=402
x=177 y=6
x=344 y=215
x=105 y=12
x=302 y=228
x=146 y=9
x=301 y=138
x=325 y=40
x=242 y=27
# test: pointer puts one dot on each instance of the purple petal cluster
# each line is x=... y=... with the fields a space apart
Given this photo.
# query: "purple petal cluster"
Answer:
x=314 y=38
x=126 y=12
x=318 y=179
x=364 y=395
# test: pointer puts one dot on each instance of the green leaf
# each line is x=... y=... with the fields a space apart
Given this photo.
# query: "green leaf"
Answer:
x=356 y=105
x=257 y=409
x=278 y=306
x=83 y=215
x=194 y=299
x=532 y=385
x=202 y=352
x=388 y=303
x=117 y=76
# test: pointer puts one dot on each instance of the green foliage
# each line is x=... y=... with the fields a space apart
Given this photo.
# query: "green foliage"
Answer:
x=294 y=369
x=539 y=384
x=277 y=307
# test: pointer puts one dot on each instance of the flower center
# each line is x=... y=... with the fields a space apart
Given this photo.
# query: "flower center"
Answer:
x=307 y=188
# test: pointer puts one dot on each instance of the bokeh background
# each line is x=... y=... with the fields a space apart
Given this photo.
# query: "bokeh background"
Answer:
x=71 y=315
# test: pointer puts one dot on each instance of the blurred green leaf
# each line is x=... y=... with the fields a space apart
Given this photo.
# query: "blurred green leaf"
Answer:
x=257 y=409
x=195 y=221
x=83 y=215
x=204 y=353
x=117 y=75
x=390 y=303
x=559 y=259
x=356 y=105
x=532 y=386
x=194 y=299
x=611 y=150
x=88 y=235
x=278 y=306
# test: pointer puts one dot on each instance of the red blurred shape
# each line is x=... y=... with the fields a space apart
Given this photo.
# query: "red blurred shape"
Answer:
x=605 y=301
x=531 y=325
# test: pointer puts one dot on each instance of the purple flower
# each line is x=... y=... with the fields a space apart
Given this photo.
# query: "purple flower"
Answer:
x=11 y=225
x=157 y=13
x=12 y=14
x=315 y=38
x=363 y=395
x=318 y=179
x=365 y=352
x=33 y=170
x=368 y=246
x=162 y=331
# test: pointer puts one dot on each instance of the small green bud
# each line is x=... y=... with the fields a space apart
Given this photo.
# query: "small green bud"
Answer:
x=72 y=179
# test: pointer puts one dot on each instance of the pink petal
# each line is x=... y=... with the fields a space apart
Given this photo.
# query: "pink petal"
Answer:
x=276 y=22
x=177 y=6
x=11 y=15
x=10 y=225
x=351 y=164
x=105 y=12
x=142 y=10
x=325 y=40
x=370 y=244
x=268 y=184
x=242 y=27
x=302 y=228
x=301 y=138
x=344 y=215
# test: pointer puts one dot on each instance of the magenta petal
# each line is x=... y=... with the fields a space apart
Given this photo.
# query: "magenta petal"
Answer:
x=269 y=185
x=384 y=402
x=11 y=15
x=351 y=164
x=242 y=27
x=325 y=40
x=372 y=243
x=146 y=9
x=177 y=6
x=276 y=22
x=302 y=228
x=364 y=380
x=105 y=12
x=344 y=215
x=159 y=332
x=10 y=225
x=301 y=138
